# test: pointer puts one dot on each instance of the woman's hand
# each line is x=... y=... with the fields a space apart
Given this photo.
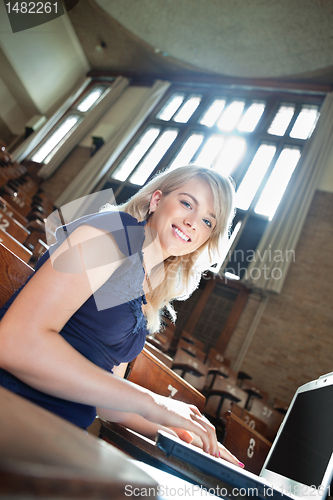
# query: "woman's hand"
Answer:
x=167 y=412
x=193 y=439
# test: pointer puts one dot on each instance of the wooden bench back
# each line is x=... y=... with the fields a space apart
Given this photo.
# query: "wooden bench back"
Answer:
x=13 y=227
x=250 y=419
x=215 y=358
x=162 y=340
x=13 y=274
x=254 y=391
x=191 y=368
x=221 y=397
x=167 y=360
x=187 y=337
x=191 y=349
x=149 y=372
x=15 y=246
x=12 y=212
x=222 y=371
x=245 y=443
x=267 y=414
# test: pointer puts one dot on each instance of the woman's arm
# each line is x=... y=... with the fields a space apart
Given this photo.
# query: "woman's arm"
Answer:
x=32 y=349
x=149 y=429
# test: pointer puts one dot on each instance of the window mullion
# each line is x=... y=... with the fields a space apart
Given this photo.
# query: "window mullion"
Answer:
x=262 y=185
x=298 y=108
x=175 y=146
x=143 y=157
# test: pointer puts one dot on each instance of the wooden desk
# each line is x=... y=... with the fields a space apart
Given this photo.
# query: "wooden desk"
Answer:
x=145 y=450
x=43 y=456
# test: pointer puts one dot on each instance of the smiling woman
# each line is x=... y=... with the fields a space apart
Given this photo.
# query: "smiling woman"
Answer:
x=86 y=311
x=197 y=202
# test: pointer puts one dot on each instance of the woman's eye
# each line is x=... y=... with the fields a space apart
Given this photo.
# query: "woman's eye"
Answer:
x=186 y=204
x=207 y=222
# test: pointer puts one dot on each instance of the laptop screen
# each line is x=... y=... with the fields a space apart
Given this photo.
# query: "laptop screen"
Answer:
x=305 y=445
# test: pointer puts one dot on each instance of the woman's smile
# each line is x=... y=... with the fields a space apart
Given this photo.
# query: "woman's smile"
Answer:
x=181 y=234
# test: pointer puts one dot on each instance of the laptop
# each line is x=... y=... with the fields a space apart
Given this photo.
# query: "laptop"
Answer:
x=300 y=461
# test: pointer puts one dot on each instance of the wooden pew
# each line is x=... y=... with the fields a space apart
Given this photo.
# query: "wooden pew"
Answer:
x=215 y=359
x=220 y=397
x=280 y=406
x=162 y=340
x=248 y=386
x=15 y=246
x=167 y=360
x=25 y=204
x=192 y=349
x=191 y=368
x=148 y=371
x=267 y=414
x=223 y=371
x=187 y=337
x=245 y=443
x=250 y=419
x=11 y=226
x=43 y=456
x=13 y=272
x=12 y=212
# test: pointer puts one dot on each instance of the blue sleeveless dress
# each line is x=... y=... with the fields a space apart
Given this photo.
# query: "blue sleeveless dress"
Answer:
x=109 y=328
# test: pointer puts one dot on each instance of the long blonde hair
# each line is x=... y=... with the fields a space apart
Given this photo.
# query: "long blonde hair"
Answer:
x=181 y=275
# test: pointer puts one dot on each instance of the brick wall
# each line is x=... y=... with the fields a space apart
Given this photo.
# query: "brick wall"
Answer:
x=293 y=342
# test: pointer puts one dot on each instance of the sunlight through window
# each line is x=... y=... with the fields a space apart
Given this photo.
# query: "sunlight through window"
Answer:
x=187 y=110
x=231 y=155
x=251 y=117
x=53 y=143
x=254 y=176
x=132 y=159
x=91 y=98
x=281 y=120
x=153 y=157
x=210 y=150
x=305 y=122
x=213 y=112
x=277 y=182
x=170 y=108
x=231 y=116
x=187 y=152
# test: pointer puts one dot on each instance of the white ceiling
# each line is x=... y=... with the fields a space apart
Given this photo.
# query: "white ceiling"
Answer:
x=243 y=38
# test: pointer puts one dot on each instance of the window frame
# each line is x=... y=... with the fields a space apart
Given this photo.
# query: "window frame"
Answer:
x=274 y=98
x=72 y=110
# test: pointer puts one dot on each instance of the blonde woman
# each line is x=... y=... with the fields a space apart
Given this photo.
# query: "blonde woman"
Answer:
x=68 y=333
